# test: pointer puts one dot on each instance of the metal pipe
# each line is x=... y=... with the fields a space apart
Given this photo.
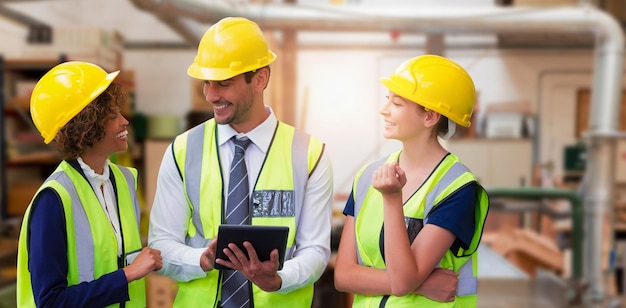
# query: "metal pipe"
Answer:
x=598 y=190
x=183 y=27
x=403 y=18
x=19 y=17
x=406 y=19
x=599 y=179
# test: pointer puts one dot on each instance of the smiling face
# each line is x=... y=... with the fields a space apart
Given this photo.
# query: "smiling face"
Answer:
x=237 y=102
x=402 y=118
x=115 y=137
x=231 y=99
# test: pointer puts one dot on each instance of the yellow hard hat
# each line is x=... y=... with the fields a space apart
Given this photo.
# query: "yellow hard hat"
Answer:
x=232 y=46
x=63 y=92
x=436 y=83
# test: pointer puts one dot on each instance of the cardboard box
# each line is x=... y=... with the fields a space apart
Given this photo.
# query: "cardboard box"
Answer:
x=529 y=251
x=504 y=125
x=154 y=150
x=160 y=290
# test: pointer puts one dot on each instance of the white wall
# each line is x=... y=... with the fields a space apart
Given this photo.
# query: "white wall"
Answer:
x=344 y=97
x=12 y=38
x=163 y=87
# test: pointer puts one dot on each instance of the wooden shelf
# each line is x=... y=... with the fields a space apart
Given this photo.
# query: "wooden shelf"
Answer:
x=18 y=103
x=39 y=158
x=39 y=64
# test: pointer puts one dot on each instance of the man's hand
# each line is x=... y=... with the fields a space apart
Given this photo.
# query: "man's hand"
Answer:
x=207 y=259
x=440 y=285
x=147 y=260
x=263 y=274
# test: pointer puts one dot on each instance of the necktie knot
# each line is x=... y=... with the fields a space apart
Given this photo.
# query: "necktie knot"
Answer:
x=241 y=145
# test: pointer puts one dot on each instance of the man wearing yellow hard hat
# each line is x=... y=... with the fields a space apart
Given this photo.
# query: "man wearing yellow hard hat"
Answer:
x=79 y=245
x=287 y=182
x=422 y=191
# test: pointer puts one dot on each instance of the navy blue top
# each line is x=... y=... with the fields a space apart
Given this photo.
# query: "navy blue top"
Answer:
x=47 y=262
x=455 y=214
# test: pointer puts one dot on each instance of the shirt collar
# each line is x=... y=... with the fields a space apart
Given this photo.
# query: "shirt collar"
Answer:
x=91 y=175
x=261 y=135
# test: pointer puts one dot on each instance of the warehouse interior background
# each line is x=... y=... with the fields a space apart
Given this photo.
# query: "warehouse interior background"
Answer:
x=547 y=135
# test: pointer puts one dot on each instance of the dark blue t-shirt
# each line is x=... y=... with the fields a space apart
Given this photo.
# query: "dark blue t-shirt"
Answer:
x=48 y=265
x=455 y=213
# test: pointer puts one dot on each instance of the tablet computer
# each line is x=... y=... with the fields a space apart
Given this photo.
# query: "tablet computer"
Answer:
x=264 y=239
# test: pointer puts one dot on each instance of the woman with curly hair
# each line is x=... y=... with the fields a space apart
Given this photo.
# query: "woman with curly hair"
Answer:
x=79 y=245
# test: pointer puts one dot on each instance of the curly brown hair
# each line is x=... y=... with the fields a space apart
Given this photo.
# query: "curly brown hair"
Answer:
x=87 y=128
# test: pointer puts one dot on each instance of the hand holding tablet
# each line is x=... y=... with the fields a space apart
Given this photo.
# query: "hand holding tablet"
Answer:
x=264 y=239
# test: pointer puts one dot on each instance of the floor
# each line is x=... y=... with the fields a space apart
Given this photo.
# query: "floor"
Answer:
x=501 y=286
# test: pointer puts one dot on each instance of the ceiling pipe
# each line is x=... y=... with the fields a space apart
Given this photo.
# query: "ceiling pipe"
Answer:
x=608 y=64
x=182 y=26
x=19 y=17
x=404 y=18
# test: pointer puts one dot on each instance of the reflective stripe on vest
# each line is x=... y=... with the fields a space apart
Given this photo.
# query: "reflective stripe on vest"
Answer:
x=82 y=230
x=453 y=177
x=361 y=187
x=276 y=199
x=468 y=281
x=86 y=223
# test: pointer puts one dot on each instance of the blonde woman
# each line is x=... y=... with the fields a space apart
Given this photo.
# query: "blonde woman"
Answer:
x=418 y=211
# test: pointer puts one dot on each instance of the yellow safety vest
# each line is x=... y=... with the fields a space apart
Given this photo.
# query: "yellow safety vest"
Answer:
x=86 y=224
x=276 y=199
x=449 y=176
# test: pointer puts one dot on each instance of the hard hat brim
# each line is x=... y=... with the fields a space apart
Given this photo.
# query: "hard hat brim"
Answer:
x=213 y=74
x=401 y=91
x=218 y=74
x=106 y=82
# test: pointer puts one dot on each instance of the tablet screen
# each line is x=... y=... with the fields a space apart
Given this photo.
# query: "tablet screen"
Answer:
x=264 y=239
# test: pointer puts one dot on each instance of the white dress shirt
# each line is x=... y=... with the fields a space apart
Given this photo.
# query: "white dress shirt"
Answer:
x=170 y=213
x=103 y=188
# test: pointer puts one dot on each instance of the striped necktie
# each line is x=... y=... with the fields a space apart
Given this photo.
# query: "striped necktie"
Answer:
x=235 y=287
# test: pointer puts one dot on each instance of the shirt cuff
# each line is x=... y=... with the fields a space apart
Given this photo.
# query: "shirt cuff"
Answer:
x=287 y=281
x=192 y=259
